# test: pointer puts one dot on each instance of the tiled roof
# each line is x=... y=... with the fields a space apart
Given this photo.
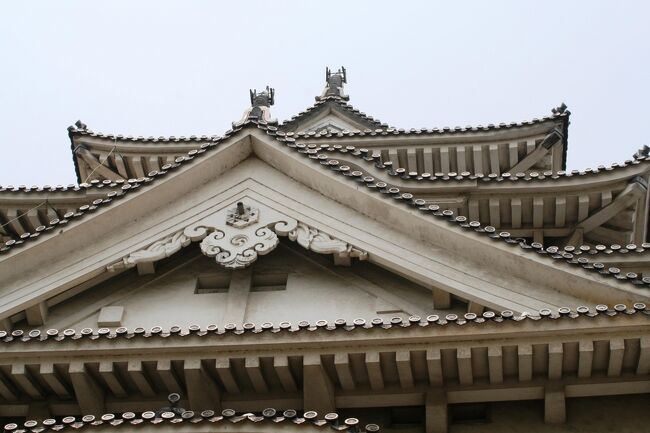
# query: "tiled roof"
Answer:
x=129 y=420
x=367 y=155
x=8 y=189
x=446 y=130
x=316 y=153
x=562 y=313
x=340 y=103
x=81 y=129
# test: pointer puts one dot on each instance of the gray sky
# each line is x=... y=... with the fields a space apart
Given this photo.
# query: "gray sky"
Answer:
x=185 y=67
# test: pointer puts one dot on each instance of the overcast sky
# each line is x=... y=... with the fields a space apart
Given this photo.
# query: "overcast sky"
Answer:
x=185 y=67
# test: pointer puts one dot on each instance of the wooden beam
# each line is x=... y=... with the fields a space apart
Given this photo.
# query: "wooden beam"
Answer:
x=108 y=373
x=477 y=154
x=427 y=157
x=38 y=410
x=139 y=377
x=373 y=367
x=628 y=196
x=36 y=314
x=585 y=358
x=461 y=159
x=555 y=360
x=525 y=356
x=495 y=212
x=529 y=160
x=32 y=220
x=475 y=307
x=13 y=221
x=151 y=164
x=135 y=165
x=120 y=165
x=616 y=351
x=404 y=369
x=224 y=371
x=515 y=205
x=495 y=364
x=318 y=390
x=583 y=207
x=538 y=212
x=434 y=366
x=7 y=390
x=237 y=298
x=99 y=167
x=473 y=209
x=441 y=299
x=168 y=376
x=411 y=157
x=343 y=371
x=281 y=364
x=444 y=160
x=494 y=158
x=254 y=371
x=554 y=403
x=202 y=391
x=22 y=378
x=146 y=268
x=513 y=156
x=464 y=360
x=560 y=211
x=436 y=412
x=643 y=366
x=88 y=393
x=393 y=156
x=51 y=377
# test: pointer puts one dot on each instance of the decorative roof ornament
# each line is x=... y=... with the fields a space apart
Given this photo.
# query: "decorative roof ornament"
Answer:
x=260 y=106
x=559 y=110
x=334 y=85
x=643 y=152
x=78 y=126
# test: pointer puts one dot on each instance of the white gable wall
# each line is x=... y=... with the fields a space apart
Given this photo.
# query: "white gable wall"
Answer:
x=314 y=291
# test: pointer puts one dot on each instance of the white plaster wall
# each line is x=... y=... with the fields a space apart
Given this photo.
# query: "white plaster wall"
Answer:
x=315 y=290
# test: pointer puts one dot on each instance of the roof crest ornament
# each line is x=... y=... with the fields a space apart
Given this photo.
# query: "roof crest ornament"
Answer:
x=334 y=85
x=260 y=107
x=560 y=109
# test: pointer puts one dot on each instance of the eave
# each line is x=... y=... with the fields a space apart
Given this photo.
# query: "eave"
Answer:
x=591 y=354
x=285 y=154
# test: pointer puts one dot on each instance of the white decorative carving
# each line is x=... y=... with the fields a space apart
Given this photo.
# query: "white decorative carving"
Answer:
x=235 y=237
x=322 y=243
x=154 y=252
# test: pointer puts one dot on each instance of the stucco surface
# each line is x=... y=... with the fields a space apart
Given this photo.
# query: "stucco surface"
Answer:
x=315 y=290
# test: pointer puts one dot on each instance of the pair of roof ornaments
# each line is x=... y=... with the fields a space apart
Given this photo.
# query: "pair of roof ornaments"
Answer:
x=262 y=101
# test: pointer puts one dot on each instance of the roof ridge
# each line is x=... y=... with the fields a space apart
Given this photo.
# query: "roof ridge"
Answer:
x=19 y=335
x=340 y=102
x=435 y=130
x=357 y=176
x=73 y=130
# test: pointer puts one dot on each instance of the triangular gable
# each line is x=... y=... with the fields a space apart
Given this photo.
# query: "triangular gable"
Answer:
x=331 y=115
x=449 y=259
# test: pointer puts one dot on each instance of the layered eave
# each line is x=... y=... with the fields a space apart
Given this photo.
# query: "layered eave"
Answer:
x=491 y=149
x=628 y=283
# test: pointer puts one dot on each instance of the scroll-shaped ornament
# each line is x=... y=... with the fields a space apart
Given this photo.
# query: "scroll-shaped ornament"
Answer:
x=237 y=235
x=322 y=243
x=165 y=247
